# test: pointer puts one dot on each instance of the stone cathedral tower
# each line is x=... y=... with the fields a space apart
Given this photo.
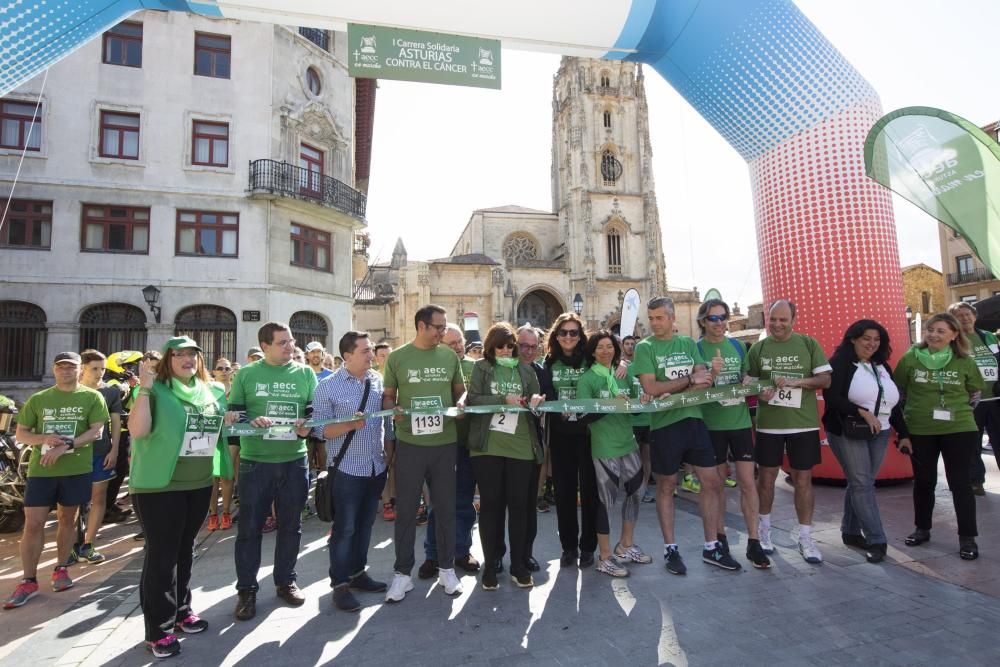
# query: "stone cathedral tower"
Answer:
x=602 y=184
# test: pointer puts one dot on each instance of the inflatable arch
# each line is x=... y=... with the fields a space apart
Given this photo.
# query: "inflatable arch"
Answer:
x=758 y=70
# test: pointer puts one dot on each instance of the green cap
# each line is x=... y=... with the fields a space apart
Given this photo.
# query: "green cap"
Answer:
x=180 y=343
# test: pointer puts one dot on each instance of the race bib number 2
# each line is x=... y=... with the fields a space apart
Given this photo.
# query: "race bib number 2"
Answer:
x=504 y=422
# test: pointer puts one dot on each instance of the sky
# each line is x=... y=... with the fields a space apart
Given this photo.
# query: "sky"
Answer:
x=440 y=152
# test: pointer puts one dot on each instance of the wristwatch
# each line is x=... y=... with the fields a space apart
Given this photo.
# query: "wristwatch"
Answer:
x=69 y=444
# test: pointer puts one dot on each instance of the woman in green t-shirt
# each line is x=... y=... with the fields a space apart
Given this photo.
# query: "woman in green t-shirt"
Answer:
x=616 y=454
x=175 y=424
x=938 y=381
x=504 y=449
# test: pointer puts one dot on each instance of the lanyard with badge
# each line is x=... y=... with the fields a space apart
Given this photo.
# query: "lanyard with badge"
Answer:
x=879 y=401
x=942 y=413
x=504 y=422
x=201 y=433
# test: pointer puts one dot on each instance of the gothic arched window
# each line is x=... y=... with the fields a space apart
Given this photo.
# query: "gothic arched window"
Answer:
x=607 y=119
x=614 y=243
x=605 y=80
x=519 y=246
x=611 y=168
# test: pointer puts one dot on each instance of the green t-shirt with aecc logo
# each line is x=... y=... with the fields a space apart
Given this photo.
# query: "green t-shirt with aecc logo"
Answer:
x=280 y=393
x=516 y=445
x=792 y=410
x=611 y=435
x=668 y=360
x=984 y=354
x=424 y=379
x=68 y=413
x=928 y=390
x=732 y=414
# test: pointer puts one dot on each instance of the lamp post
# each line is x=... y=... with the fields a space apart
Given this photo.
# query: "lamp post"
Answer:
x=909 y=316
x=151 y=293
x=578 y=304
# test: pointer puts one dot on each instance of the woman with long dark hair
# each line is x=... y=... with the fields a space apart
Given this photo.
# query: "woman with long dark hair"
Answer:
x=569 y=443
x=939 y=381
x=861 y=403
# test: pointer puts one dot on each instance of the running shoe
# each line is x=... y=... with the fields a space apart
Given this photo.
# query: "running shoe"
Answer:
x=691 y=484
x=632 y=554
x=388 y=512
x=765 y=537
x=674 y=562
x=192 y=624
x=226 y=521
x=270 y=525
x=164 y=648
x=542 y=506
x=91 y=555
x=730 y=483
x=213 y=522
x=611 y=568
x=649 y=495
x=809 y=550
x=24 y=592
x=422 y=515
x=756 y=555
x=401 y=585
x=449 y=581
x=61 y=580
x=718 y=557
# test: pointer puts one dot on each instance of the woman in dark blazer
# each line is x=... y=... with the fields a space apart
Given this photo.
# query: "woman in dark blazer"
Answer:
x=862 y=377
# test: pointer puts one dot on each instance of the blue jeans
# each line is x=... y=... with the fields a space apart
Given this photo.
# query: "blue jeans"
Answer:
x=356 y=500
x=261 y=484
x=465 y=511
x=861 y=460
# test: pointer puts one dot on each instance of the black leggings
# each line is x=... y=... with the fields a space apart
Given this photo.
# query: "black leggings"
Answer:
x=956 y=449
x=503 y=489
x=573 y=470
x=170 y=520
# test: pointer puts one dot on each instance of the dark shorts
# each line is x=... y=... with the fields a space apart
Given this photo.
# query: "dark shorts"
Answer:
x=100 y=474
x=802 y=448
x=686 y=441
x=68 y=491
x=641 y=434
x=734 y=445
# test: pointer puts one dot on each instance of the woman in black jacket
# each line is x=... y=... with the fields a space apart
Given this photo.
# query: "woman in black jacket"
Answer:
x=858 y=431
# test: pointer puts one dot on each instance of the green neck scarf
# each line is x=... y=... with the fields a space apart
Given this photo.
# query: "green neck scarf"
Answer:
x=603 y=371
x=195 y=393
x=934 y=360
x=507 y=362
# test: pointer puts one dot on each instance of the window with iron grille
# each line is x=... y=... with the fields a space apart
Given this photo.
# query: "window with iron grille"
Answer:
x=210 y=143
x=23 y=332
x=123 y=45
x=308 y=326
x=212 y=327
x=965 y=265
x=113 y=327
x=115 y=229
x=614 y=239
x=28 y=224
x=212 y=55
x=20 y=125
x=119 y=135
x=317 y=36
x=311 y=248
x=208 y=233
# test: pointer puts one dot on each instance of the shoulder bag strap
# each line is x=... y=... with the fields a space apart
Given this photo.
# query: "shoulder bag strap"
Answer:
x=350 y=434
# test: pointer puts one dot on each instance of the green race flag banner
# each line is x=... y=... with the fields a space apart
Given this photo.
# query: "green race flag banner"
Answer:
x=601 y=405
x=945 y=165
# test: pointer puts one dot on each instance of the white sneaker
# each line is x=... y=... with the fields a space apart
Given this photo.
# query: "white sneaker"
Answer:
x=448 y=581
x=401 y=585
x=809 y=550
x=765 y=538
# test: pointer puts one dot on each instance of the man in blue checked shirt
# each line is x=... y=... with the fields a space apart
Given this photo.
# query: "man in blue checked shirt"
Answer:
x=358 y=480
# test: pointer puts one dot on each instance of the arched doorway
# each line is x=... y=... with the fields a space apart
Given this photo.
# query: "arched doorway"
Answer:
x=113 y=327
x=307 y=327
x=538 y=307
x=213 y=327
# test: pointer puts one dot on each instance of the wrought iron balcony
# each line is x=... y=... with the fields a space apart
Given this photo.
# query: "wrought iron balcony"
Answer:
x=287 y=180
x=973 y=276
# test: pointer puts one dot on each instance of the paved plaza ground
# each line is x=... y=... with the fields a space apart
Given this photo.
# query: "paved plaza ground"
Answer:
x=924 y=606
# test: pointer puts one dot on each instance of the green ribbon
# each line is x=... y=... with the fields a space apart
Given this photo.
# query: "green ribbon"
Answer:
x=685 y=399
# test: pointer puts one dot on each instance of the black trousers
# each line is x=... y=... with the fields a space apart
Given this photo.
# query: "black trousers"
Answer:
x=956 y=449
x=171 y=520
x=121 y=470
x=572 y=472
x=502 y=485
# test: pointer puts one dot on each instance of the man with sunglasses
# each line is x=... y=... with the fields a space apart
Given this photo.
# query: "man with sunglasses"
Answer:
x=274 y=392
x=424 y=375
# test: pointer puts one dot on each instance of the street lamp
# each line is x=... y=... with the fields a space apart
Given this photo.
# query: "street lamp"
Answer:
x=578 y=303
x=151 y=293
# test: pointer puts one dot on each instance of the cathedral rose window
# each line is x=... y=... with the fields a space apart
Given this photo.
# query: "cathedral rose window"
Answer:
x=518 y=247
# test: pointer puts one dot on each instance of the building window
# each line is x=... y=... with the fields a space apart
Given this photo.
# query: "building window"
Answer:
x=611 y=168
x=123 y=45
x=22 y=330
x=969 y=298
x=313 y=81
x=120 y=135
x=311 y=160
x=519 y=247
x=28 y=224
x=213 y=327
x=308 y=326
x=964 y=264
x=605 y=80
x=614 y=240
x=317 y=36
x=925 y=302
x=116 y=229
x=208 y=233
x=21 y=125
x=212 y=55
x=112 y=327
x=310 y=248
x=607 y=119
x=210 y=143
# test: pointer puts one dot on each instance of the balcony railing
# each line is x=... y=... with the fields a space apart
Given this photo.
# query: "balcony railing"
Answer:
x=973 y=276
x=281 y=178
x=320 y=38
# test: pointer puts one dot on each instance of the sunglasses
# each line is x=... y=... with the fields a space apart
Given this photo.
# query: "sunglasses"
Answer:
x=223 y=369
x=571 y=333
x=506 y=346
x=717 y=318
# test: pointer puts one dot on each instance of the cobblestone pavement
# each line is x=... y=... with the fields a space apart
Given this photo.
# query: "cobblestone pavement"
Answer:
x=923 y=606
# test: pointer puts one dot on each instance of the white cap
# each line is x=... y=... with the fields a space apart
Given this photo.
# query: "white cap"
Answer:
x=315 y=345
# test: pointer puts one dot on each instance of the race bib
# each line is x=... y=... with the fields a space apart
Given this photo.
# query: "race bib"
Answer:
x=677 y=372
x=282 y=413
x=201 y=434
x=787 y=397
x=989 y=373
x=504 y=422
x=426 y=424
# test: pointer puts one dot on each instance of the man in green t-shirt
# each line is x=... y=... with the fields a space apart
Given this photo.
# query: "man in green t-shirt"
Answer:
x=728 y=422
x=60 y=425
x=274 y=392
x=669 y=363
x=788 y=419
x=985 y=352
x=424 y=375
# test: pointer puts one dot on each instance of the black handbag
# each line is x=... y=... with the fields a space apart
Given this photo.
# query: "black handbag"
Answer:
x=324 y=481
x=855 y=427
